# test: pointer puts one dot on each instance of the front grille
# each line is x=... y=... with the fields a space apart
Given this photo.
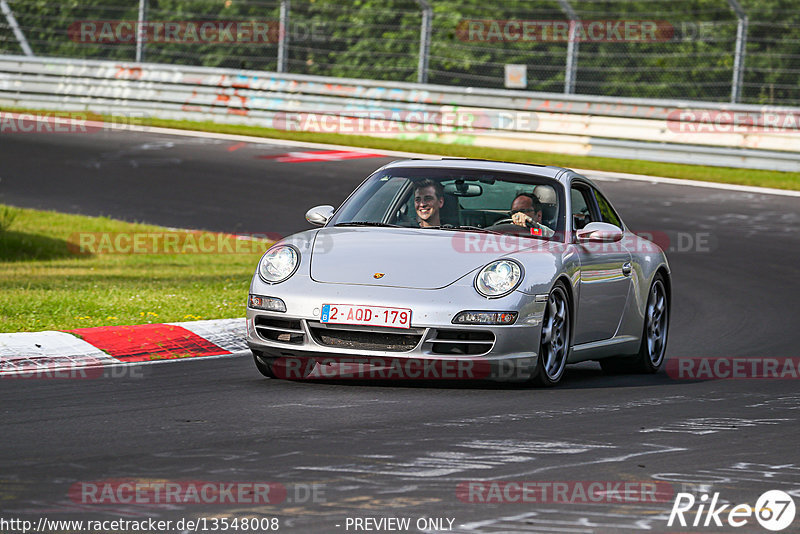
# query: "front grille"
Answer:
x=466 y=342
x=362 y=339
x=280 y=330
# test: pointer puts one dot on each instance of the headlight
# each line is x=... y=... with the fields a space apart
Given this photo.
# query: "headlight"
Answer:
x=485 y=317
x=499 y=278
x=278 y=264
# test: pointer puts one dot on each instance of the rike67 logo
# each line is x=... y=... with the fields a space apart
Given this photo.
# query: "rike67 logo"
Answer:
x=774 y=510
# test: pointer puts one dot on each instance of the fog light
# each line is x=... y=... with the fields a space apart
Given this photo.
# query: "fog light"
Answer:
x=485 y=317
x=266 y=303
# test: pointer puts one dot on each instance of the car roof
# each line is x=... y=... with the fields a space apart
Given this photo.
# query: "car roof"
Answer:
x=546 y=171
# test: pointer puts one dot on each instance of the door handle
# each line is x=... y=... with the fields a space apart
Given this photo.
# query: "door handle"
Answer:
x=626 y=268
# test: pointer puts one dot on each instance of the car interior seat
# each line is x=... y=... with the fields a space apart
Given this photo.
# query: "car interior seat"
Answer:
x=450 y=213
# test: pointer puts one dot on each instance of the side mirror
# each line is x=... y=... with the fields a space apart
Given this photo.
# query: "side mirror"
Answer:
x=600 y=232
x=319 y=215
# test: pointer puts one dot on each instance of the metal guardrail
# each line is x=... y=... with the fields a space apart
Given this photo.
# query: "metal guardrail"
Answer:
x=671 y=131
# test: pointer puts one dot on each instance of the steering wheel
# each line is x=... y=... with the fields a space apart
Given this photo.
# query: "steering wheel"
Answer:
x=507 y=220
x=505 y=226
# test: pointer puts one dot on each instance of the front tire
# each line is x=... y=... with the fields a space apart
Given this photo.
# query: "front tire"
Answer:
x=654 y=335
x=554 y=344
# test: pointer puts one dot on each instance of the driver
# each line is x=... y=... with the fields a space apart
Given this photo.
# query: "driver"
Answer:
x=526 y=210
x=428 y=200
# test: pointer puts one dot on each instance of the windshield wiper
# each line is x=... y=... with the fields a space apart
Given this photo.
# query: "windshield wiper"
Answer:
x=465 y=227
x=368 y=223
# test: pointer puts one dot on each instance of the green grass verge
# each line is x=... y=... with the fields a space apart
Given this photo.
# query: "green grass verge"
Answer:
x=45 y=284
x=752 y=177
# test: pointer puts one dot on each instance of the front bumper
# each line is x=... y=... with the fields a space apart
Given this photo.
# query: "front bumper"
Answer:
x=493 y=352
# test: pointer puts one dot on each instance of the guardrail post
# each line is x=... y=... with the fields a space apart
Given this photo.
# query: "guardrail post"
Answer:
x=283 y=37
x=572 y=47
x=141 y=31
x=738 y=58
x=12 y=21
x=424 y=40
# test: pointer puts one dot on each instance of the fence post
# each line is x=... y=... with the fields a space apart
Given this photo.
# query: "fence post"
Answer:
x=12 y=21
x=738 y=58
x=424 y=40
x=283 y=37
x=572 y=47
x=141 y=31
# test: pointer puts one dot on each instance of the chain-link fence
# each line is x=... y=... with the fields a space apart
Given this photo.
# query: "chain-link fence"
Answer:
x=716 y=50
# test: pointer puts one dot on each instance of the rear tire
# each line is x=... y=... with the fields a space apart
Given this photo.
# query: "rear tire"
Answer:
x=554 y=344
x=654 y=336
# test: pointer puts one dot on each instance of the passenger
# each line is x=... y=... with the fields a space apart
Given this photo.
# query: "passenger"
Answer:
x=526 y=210
x=428 y=200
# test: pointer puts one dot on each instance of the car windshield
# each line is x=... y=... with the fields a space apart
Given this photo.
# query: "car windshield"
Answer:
x=456 y=199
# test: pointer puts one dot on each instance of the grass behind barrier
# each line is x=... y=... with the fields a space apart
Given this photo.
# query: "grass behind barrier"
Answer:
x=751 y=177
x=45 y=285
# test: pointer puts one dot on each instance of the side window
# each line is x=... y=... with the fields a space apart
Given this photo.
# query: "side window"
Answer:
x=581 y=211
x=607 y=213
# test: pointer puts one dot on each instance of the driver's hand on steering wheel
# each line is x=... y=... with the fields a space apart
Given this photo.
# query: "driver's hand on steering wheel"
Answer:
x=520 y=219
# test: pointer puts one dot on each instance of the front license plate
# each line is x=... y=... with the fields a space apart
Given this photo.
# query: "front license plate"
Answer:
x=368 y=315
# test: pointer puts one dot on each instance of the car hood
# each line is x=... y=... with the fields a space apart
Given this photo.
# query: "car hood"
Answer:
x=405 y=257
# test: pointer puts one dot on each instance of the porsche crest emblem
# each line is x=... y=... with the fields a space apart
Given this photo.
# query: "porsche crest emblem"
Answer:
x=378 y=275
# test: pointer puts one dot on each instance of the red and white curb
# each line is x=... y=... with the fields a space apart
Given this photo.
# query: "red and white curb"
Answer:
x=33 y=353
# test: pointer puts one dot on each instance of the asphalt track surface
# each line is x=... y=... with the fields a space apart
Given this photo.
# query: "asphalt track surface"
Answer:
x=378 y=449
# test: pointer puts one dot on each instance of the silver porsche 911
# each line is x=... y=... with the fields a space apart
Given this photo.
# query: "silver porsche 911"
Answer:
x=460 y=268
